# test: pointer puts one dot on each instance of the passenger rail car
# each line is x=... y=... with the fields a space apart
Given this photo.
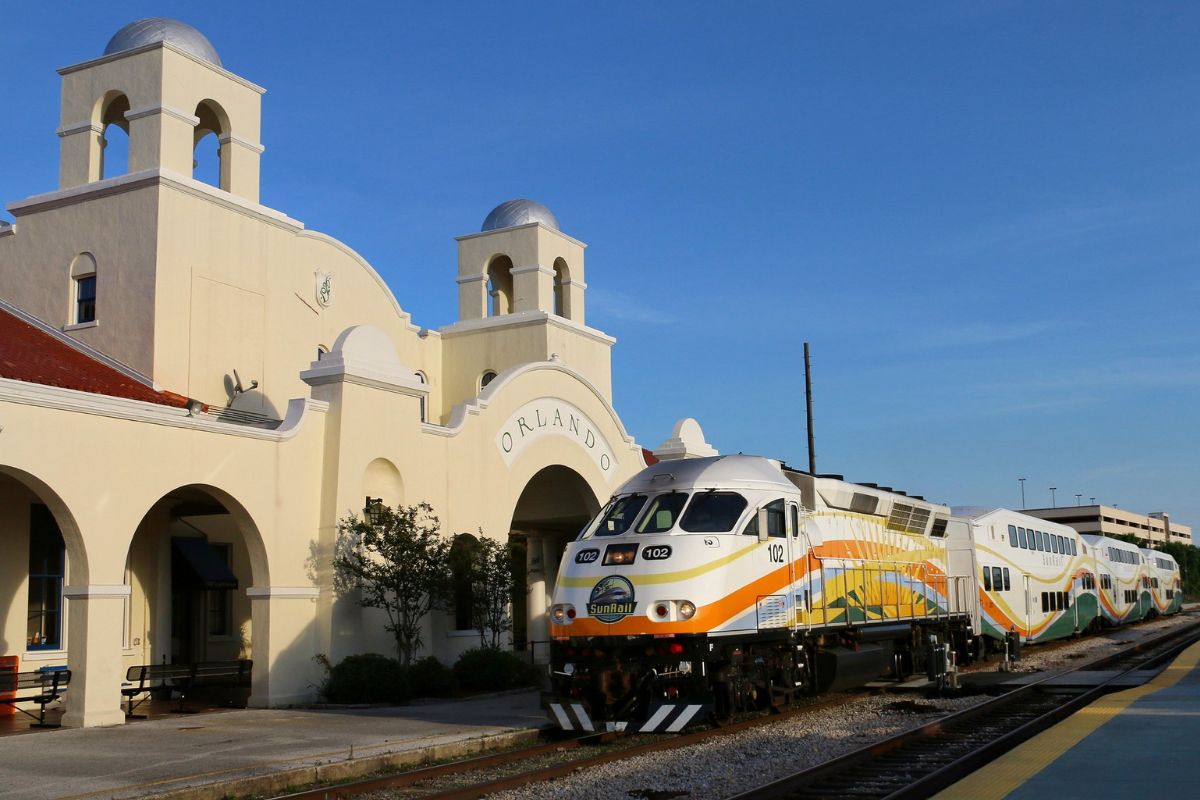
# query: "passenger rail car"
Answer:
x=1166 y=583
x=715 y=584
x=710 y=585
x=1034 y=576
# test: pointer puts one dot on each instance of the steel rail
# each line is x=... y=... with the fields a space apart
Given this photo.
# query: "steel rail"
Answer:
x=913 y=763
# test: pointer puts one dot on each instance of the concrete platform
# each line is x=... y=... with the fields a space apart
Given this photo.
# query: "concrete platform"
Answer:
x=247 y=751
x=1126 y=745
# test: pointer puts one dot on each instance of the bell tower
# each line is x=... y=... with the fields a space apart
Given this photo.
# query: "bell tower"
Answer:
x=520 y=262
x=162 y=83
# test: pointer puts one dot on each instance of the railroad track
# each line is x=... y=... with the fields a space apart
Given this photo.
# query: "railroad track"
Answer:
x=921 y=762
x=417 y=782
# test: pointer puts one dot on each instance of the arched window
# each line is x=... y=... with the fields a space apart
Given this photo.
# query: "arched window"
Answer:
x=486 y=378
x=562 y=277
x=114 y=146
x=462 y=557
x=208 y=153
x=83 y=289
x=500 y=285
x=424 y=382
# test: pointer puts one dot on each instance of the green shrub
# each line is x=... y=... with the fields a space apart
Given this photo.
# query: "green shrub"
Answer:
x=482 y=669
x=368 y=678
x=430 y=678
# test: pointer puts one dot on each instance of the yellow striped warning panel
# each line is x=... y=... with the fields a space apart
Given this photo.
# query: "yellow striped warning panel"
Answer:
x=1009 y=772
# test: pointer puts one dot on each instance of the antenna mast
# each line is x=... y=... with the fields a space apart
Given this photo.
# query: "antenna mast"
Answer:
x=812 y=450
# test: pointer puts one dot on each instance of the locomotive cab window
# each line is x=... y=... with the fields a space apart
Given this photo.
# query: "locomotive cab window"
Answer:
x=1012 y=536
x=713 y=512
x=663 y=512
x=997 y=579
x=987 y=579
x=620 y=515
x=1023 y=539
x=1007 y=584
x=775 y=521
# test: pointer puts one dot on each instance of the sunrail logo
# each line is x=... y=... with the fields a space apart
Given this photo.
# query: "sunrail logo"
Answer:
x=611 y=599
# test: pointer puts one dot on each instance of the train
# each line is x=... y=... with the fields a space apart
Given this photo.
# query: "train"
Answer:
x=709 y=586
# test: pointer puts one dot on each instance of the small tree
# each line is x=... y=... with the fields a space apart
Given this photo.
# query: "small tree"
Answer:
x=491 y=583
x=399 y=562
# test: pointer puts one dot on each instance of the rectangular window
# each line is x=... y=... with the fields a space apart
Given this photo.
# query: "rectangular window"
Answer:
x=85 y=299
x=1053 y=544
x=1007 y=585
x=1012 y=535
x=1024 y=539
x=987 y=579
x=997 y=579
x=220 y=616
x=1037 y=539
x=1045 y=601
x=47 y=566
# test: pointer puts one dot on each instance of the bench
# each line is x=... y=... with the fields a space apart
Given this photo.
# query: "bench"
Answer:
x=41 y=687
x=146 y=678
x=182 y=678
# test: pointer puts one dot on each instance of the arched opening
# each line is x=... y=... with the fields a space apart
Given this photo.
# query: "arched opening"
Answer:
x=487 y=377
x=114 y=137
x=462 y=553
x=191 y=559
x=555 y=504
x=43 y=554
x=500 y=285
x=562 y=278
x=208 y=152
x=83 y=289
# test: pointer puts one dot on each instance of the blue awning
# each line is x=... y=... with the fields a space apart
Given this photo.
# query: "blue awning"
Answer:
x=204 y=565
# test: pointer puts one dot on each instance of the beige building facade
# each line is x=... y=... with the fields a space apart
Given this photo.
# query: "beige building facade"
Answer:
x=195 y=389
x=1155 y=528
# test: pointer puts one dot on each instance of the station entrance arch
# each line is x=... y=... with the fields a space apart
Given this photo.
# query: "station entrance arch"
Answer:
x=553 y=507
x=190 y=561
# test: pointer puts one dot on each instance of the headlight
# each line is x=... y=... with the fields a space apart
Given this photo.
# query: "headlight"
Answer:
x=562 y=614
x=568 y=669
x=687 y=609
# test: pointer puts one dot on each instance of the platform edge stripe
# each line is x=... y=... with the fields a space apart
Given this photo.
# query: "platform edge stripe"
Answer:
x=585 y=722
x=683 y=719
x=656 y=719
x=564 y=721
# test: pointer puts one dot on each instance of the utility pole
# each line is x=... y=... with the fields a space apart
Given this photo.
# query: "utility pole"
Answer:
x=1078 y=499
x=1022 y=480
x=808 y=405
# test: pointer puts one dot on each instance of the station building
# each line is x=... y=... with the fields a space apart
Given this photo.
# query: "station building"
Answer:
x=195 y=389
x=1154 y=528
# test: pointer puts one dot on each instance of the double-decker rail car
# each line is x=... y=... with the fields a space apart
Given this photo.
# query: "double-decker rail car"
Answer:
x=716 y=584
x=1035 y=578
x=1165 y=597
x=1121 y=590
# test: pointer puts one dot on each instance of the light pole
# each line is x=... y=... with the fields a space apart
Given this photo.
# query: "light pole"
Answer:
x=1053 y=501
x=1078 y=499
x=1093 y=501
x=1022 y=481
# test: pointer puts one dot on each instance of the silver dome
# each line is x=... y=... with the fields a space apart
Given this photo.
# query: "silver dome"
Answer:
x=519 y=212
x=160 y=29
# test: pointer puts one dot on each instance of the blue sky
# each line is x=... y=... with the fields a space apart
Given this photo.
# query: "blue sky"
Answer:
x=982 y=216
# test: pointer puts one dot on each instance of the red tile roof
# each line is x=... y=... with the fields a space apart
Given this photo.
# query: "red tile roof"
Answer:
x=35 y=356
x=649 y=457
